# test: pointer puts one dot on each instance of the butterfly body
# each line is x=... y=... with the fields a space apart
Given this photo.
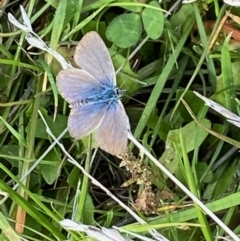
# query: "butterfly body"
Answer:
x=108 y=95
x=93 y=96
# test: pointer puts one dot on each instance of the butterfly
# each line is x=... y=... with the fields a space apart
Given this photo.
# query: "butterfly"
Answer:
x=93 y=97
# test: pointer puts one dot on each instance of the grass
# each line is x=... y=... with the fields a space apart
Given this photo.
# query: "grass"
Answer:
x=183 y=159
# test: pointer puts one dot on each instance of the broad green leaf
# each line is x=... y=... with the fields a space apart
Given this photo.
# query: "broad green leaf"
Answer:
x=194 y=103
x=33 y=224
x=49 y=169
x=169 y=157
x=225 y=181
x=188 y=132
x=125 y=30
x=165 y=126
x=201 y=168
x=57 y=126
x=181 y=16
x=89 y=209
x=153 y=21
x=10 y=150
x=73 y=177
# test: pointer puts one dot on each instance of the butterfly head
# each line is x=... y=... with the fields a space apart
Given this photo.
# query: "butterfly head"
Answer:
x=120 y=92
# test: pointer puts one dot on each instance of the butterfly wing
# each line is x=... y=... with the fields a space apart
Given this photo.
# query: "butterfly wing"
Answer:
x=83 y=120
x=92 y=55
x=77 y=84
x=112 y=133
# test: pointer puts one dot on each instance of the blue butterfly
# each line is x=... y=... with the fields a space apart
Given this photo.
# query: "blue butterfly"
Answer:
x=93 y=96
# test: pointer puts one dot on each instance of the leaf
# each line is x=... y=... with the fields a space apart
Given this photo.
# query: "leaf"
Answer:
x=73 y=177
x=49 y=170
x=153 y=21
x=188 y=133
x=181 y=16
x=169 y=157
x=10 y=150
x=225 y=181
x=165 y=126
x=125 y=30
x=57 y=126
x=88 y=212
x=194 y=103
x=201 y=168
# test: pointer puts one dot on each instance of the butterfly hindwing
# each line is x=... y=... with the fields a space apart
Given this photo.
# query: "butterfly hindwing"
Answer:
x=83 y=120
x=112 y=133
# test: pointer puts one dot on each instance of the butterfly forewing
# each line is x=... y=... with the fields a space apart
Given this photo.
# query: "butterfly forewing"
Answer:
x=112 y=133
x=92 y=55
x=83 y=120
x=77 y=84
